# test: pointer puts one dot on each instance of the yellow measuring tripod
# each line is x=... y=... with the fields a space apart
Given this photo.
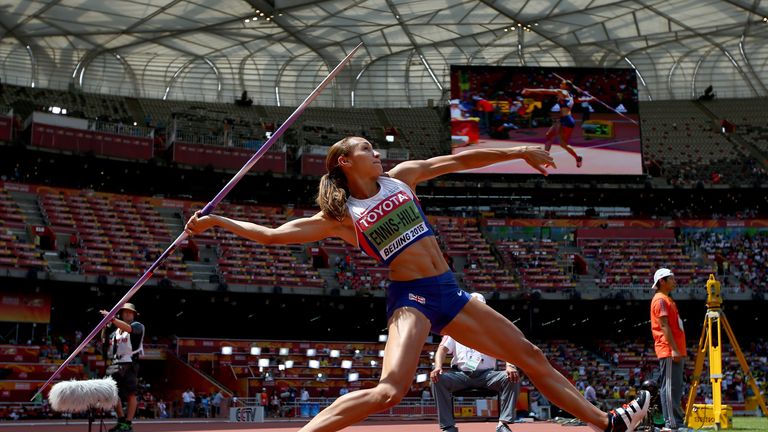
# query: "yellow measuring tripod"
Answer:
x=710 y=344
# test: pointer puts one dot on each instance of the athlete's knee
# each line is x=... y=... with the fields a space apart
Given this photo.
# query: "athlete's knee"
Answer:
x=532 y=357
x=388 y=395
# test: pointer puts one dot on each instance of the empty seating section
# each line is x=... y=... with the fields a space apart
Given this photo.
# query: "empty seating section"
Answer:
x=10 y=215
x=537 y=263
x=243 y=261
x=117 y=235
x=749 y=116
x=15 y=251
x=461 y=239
x=354 y=269
x=633 y=262
x=25 y=100
x=421 y=131
x=677 y=133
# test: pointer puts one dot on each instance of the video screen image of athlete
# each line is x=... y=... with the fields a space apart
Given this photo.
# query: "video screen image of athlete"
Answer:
x=587 y=118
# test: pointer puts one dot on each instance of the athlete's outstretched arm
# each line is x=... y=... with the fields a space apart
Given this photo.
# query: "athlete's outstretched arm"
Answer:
x=303 y=230
x=415 y=172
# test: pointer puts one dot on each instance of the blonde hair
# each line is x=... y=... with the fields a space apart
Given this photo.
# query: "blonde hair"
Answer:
x=333 y=190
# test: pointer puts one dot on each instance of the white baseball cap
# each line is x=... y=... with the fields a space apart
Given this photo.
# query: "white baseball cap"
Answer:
x=478 y=296
x=661 y=274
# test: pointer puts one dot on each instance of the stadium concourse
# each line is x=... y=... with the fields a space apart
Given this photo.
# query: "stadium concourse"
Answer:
x=119 y=120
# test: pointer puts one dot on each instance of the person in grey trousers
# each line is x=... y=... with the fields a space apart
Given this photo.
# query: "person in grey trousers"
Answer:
x=471 y=369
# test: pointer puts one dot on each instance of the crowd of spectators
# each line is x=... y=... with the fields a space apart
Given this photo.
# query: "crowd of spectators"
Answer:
x=742 y=259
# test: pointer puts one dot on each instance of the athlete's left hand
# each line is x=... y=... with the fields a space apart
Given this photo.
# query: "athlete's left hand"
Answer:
x=538 y=158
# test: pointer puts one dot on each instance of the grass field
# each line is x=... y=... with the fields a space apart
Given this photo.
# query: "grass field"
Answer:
x=750 y=424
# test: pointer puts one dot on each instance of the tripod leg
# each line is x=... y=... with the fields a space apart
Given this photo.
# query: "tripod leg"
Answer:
x=744 y=365
x=715 y=364
x=698 y=366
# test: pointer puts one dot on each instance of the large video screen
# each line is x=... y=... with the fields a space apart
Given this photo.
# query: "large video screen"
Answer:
x=587 y=118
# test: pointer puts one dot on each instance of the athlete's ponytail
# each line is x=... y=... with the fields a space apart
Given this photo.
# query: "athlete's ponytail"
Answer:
x=333 y=190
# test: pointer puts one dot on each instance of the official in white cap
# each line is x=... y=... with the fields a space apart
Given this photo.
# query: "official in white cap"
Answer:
x=669 y=344
x=472 y=369
x=456 y=111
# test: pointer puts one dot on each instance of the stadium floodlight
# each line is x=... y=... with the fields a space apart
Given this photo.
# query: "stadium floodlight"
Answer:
x=226 y=350
x=353 y=376
x=284 y=351
x=335 y=353
x=288 y=364
x=314 y=364
x=263 y=362
x=420 y=378
x=255 y=351
x=55 y=110
x=311 y=352
x=381 y=353
x=346 y=364
x=389 y=138
x=382 y=338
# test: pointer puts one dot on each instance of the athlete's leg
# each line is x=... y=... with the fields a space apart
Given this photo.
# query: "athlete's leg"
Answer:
x=408 y=330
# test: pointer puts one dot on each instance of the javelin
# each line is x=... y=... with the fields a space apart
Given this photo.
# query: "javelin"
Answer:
x=601 y=102
x=208 y=209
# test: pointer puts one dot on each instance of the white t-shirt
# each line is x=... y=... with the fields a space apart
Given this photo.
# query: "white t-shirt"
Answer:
x=188 y=397
x=464 y=357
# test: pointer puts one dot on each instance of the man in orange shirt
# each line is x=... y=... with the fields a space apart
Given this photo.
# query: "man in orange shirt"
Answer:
x=669 y=342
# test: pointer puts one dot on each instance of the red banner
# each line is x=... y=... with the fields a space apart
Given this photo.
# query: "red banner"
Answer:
x=83 y=141
x=6 y=128
x=312 y=164
x=28 y=308
x=226 y=157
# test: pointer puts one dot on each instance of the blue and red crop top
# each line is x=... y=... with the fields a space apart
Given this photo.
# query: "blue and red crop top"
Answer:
x=389 y=222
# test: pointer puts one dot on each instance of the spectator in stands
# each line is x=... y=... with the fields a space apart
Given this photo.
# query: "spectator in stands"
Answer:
x=380 y=213
x=126 y=347
x=669 y=343
x=591 y=395
x=472 y=369
x=216 y=402
x=162 y=409
x=274 y=405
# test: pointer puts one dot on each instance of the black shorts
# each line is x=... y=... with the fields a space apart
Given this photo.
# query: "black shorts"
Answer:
x=127 y=379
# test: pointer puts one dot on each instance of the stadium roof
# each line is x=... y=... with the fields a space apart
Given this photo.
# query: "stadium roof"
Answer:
x=278 y=50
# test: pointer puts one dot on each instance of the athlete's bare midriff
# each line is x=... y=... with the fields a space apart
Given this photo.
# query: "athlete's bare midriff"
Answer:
x=422 y=259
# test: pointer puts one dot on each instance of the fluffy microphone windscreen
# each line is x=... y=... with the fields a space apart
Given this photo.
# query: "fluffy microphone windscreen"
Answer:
x=79 y=396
